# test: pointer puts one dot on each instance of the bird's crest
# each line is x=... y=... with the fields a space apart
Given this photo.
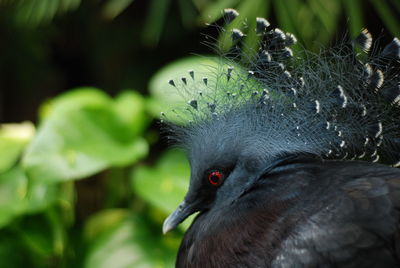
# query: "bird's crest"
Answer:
x=340 y=103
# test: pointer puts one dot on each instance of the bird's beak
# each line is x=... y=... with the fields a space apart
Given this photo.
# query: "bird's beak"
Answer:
x=183 y=211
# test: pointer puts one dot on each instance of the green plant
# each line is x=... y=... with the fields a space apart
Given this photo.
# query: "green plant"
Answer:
x=85 y=133
x=319 y=18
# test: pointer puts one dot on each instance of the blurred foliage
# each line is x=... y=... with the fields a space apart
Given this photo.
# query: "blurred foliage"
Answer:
x=127 y=241
x=61 y=149
x=90 y=183
x=82 y=133
x=322 y=16
x=33 y=12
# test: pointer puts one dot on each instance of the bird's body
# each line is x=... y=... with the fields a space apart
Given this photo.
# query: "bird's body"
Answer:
x=306 y=213
x=275 y=144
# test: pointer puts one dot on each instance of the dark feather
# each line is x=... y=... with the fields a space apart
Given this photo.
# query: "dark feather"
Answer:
x=294 y=218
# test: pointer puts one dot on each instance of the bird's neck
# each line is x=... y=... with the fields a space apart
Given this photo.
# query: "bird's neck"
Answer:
x=238 y=230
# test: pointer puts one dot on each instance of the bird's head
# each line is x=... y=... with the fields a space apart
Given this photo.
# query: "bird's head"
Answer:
x=236 y=126
x=226 y=158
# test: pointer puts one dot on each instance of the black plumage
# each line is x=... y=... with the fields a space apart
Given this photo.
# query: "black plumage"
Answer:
x=304 y=213
x=275 y=145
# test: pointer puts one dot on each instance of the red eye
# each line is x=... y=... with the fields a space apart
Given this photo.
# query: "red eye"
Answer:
x=215 y=178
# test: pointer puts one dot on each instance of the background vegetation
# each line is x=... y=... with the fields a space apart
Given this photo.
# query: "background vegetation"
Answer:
x=85 y=179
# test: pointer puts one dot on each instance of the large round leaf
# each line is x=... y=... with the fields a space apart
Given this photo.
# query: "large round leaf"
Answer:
x=127 y=240
x=84 y=131
x=19 y=195
x=13 y=190
x=13 y=139
x=164 y=186
x=165 y=96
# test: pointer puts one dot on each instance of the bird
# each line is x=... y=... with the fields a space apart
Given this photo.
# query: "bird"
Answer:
x=293 y=158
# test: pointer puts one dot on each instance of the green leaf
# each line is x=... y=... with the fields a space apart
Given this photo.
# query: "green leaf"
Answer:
x=188 y=13
x=14 y=253
x=164 y=186
x=214 y=11
x=13 y=191
x=19 y=195
x=40 y=196
x=155 y=21
x=103 y=221
x=165 y=96
x=113 y=8
x=354 y=12
x=128 y=242
x=38 y=234
x=327 y=13
x=85 y=132
x=35 y=12
x=13 y=139
x=285 y=16
x=130 y=107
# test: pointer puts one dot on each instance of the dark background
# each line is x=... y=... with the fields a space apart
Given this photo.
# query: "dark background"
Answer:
x=42 y=58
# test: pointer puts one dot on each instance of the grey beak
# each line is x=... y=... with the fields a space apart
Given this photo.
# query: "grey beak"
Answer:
x=183 y=211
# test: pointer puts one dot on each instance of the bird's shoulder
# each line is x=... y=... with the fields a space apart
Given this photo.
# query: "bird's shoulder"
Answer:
x=355 y=222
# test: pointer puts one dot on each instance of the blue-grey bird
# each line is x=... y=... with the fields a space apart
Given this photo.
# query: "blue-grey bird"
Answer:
x=293 y=159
